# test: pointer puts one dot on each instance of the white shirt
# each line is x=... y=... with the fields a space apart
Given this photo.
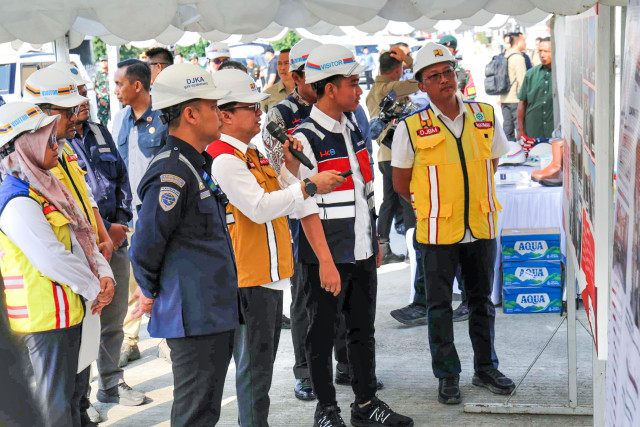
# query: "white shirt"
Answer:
x=26 y=226
x=363 y=246
x=244 y=192
x=402 y=155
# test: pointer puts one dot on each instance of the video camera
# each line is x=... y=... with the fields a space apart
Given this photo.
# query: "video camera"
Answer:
x=390 y=112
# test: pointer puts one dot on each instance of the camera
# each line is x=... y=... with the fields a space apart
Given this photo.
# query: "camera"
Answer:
x=390 y=112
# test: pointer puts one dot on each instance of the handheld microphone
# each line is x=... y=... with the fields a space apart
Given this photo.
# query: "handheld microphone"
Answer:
x=278 y=133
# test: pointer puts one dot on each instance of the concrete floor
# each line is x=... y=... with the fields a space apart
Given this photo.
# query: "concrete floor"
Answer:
x=403 y=363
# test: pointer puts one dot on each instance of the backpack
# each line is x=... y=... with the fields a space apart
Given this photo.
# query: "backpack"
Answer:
x=496 y=80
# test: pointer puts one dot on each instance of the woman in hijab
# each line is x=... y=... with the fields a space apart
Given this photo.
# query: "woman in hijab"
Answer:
x=51 y=265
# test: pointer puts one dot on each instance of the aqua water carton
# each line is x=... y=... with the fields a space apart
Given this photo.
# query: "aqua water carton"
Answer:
x=532 y=299
x=525 y=244
x=532 y=273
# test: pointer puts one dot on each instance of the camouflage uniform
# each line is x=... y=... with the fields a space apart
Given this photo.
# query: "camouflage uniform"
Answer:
x=101 y=85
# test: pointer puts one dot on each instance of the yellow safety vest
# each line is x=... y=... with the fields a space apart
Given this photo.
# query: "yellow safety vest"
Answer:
x=263 y=251
x=35 y=303
x=452 y=186
x=75 y=183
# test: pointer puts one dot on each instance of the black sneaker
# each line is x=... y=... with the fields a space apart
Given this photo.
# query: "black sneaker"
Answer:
x=377 y=413
x=494 y=380
x=411 y=315
x=328 y=416
x=461 y=313
x=344 y=378
x=449 y=390
x=303 y=389
x=286 y=322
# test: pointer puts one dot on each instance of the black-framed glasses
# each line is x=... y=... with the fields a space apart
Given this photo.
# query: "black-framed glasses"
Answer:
x=255 y=107
x=436 y=77
x=159 y=63
x=68 y=112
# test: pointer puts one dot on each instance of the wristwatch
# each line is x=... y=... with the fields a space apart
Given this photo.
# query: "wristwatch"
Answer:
x=310 y=188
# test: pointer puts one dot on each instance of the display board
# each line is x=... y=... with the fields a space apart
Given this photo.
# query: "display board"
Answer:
x=623 y=372
x=580 y=161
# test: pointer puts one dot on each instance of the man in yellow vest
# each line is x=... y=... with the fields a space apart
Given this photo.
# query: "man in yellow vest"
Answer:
x=257 y=220
x=57 y=94
x=443 y=160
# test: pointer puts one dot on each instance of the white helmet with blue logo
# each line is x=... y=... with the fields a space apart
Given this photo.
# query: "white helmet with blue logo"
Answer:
x=243 y=88
x=300 y=53
x=179 y=83
x=73 y=71
x=331 y=60
x=19 y=117
x=51 y=86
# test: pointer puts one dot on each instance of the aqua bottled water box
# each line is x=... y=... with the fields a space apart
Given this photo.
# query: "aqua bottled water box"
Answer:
x=527 y=244
x=532 y=273
x=532 y=299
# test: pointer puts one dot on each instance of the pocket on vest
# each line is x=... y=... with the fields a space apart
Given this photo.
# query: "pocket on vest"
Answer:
x=430 y=151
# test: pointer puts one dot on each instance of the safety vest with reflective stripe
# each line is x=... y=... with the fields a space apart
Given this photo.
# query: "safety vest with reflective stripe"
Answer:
x=452 y=186
x=35 y=303
x=73 y=179
x=338 y=208
x=263 y=251
x=293 y=113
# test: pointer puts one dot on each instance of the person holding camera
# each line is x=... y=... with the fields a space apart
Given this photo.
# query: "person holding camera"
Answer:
x=389 y=79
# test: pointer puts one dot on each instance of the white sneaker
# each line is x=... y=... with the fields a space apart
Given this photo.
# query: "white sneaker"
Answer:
x=93 y=414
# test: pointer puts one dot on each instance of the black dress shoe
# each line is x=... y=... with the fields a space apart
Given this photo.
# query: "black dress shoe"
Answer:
x=494 y=380
x=461 y=313
x=343 y=378
x=303 y=390
x=449 y=390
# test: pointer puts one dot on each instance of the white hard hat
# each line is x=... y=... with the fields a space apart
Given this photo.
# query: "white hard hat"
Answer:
x=182 y=82
x=331 y=60
x=243 y=88
x=51 y=86
x=65 y=67
x=19 y=117
x=514 y=156
x=218 y=50
x=540 y=151
x=432 y=53
x=300 y=52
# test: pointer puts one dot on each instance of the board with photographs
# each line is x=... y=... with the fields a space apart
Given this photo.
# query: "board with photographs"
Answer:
x=580 y=158
x=623 y=372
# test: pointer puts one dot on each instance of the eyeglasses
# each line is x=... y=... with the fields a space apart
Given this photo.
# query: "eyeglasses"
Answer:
x=435 y=78
x=219 y=61
x=68 y=112
x=53 y=141
x=159 y=63
x=255 y=107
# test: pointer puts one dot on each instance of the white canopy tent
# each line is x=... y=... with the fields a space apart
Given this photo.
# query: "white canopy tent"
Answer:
x=183 y=22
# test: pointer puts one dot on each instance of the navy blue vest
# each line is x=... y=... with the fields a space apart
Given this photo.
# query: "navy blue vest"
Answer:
x=293 y=113
x=337 y=209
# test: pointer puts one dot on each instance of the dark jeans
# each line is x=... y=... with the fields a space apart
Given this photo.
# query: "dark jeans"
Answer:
x=59 y=389
x=199 y=367
x=510 y=119
x=369 y=77
x=476 y=260
x=254 y=352
x=391 y=202
x=357 y=302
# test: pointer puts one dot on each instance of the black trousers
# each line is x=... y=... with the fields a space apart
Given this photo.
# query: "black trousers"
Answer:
x=476 y=260
x=510 y=119
x=199 y=367
x=391 y=202
x=357 y=302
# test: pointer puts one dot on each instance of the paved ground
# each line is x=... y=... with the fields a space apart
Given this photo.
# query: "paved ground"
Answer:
x=403 y=364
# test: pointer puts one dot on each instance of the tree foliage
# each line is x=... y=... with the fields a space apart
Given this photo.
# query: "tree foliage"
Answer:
x=287 y=42
x=100 y=49
x=198 y=48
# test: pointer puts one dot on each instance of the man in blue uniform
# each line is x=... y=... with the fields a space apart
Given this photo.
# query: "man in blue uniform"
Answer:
x=181 y=253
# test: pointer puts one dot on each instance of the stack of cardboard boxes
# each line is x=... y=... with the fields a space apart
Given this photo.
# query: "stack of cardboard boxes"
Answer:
x=531 y=270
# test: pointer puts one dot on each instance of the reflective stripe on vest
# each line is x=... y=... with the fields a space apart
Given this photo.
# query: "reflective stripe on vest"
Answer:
x=452 y=185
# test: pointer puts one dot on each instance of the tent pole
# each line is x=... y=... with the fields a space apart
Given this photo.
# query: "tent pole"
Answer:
x=61 y=48
x=113 y=56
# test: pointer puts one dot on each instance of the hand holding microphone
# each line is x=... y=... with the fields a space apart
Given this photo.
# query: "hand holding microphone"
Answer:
x=278 y=133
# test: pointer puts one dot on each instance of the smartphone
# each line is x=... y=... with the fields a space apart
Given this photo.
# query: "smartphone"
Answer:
x=346 y=173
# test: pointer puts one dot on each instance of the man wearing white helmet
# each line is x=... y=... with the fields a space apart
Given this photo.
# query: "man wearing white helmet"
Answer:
x=259 y=229
x=443 y=160
x=181 y=252
x=339 y=246
x=106 y=177
x=217 y=53
x=52 y=268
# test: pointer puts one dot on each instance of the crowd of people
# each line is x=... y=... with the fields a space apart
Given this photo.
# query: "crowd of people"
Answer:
x=177 y=215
